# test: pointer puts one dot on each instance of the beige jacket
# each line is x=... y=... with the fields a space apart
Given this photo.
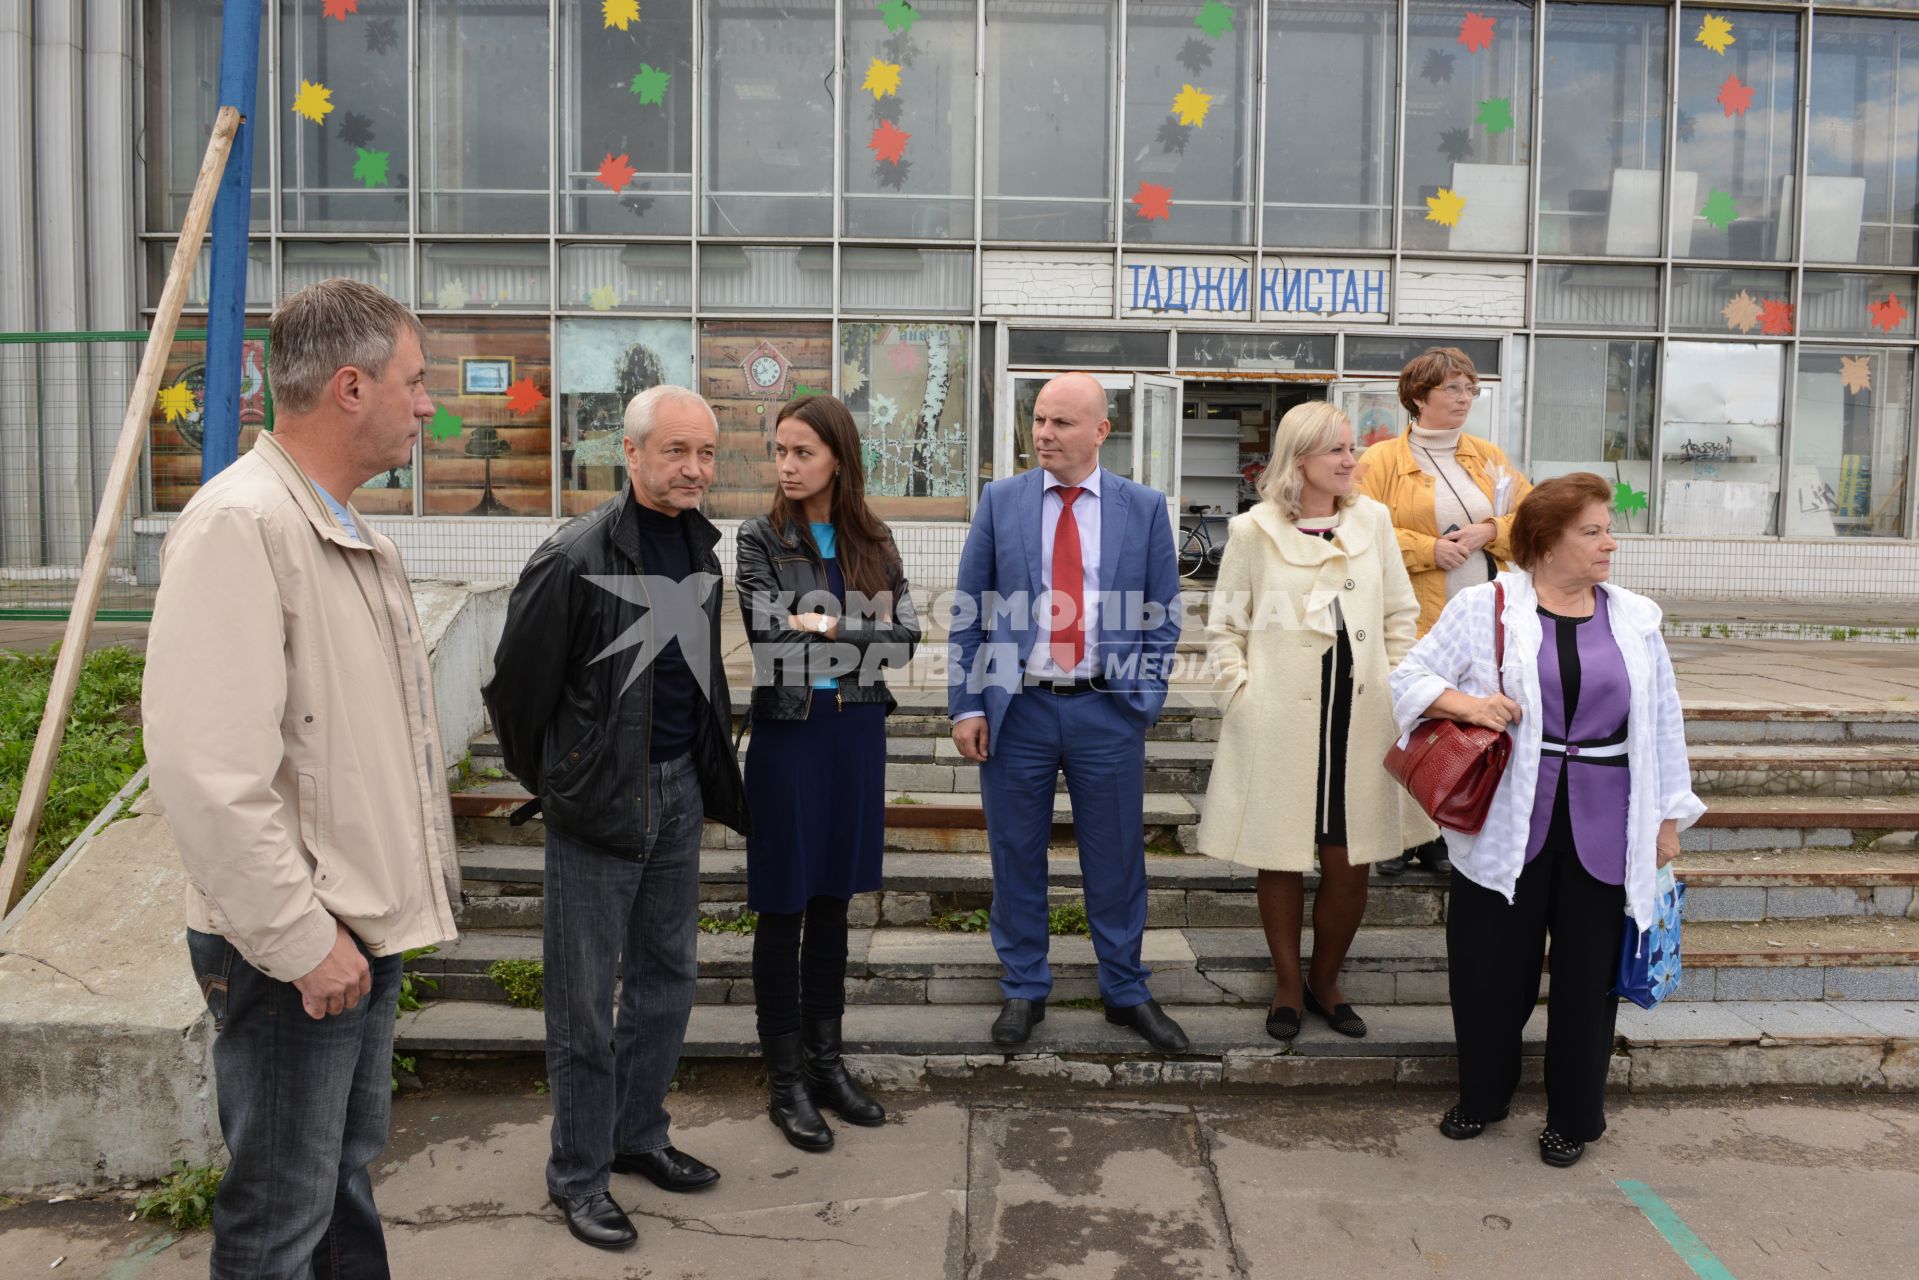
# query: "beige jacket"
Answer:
x=290 y=726
x=1270 y=621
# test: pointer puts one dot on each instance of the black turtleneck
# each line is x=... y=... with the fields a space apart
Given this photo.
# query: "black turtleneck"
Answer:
x=676 y=698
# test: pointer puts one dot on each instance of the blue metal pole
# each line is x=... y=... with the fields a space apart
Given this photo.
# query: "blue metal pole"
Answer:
x=227 y=294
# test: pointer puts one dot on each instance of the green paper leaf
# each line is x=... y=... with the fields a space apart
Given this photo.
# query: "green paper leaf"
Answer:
x=1626 y=499
x=1721 y=209
x=899 y=16
x=801 y=389
x=650 y=84
x=370 y=166
x=1215 y=19
x=1495 y=115
x=445 y=424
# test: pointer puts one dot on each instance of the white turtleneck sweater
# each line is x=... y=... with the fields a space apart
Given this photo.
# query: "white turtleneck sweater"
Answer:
x=1457 y=501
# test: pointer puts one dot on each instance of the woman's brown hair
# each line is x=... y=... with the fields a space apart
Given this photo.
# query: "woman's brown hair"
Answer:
x=863 y=543
x=1549 y=510
x=1429 y=369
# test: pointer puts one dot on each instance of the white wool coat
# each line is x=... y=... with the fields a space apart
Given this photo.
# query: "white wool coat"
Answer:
x=1271 y=620
x=1458 y=654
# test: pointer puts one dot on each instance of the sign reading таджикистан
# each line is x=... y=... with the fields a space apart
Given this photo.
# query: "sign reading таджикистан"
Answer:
x=1229 y=287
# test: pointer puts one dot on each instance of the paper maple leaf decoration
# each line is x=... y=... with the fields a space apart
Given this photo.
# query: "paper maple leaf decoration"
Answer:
x=1437 y=68
x=1734 y=96
x=1742 y=313
x=445 y=424
x=1153 y=202
x=1775 y=316
x=1476 y=31
x=1721 y=209
x=313 y=101
x=893 y=176
x=888 y=142
x=1715 y=33
x=1495 y=115
x=1445 y=208
x=602 y=298
x=1215 y=19
x=381 y=35
x=339 y=8
x=899 y=16
x=1456 y=145
x=615 y=171
x=354 y=129
x=1191 y=105
x=370 y=166
x=620 y=13
x=852 y=378
x=650 y=85
x=524 y=396
x=1626 y=499
x=1887 y=315
x=1855 y=373
x=1173 y=137
x=882 y=78
x=176 y=401
x=1196 y=56
x=454 y=295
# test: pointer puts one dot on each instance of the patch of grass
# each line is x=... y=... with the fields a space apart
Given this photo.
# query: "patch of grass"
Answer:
x=905 y=800
x=1068 y=918
x=974 y=921
x=744 y=922
x=522 y=980
x=184 y=1198
x=411 y=984
x=102 y=748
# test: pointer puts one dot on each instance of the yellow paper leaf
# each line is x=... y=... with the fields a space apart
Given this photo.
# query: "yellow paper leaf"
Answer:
x=602 y=298
x=620 y=13
x=1191 y=105
x=1445 y=208
x=313 y=102
x=1742 y=313
x=1855 y=372
x=882 y=78
x=1715 y=33
x=176 y=401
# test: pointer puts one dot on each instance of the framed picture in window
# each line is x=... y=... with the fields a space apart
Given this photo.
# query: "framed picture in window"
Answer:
x=485 y=375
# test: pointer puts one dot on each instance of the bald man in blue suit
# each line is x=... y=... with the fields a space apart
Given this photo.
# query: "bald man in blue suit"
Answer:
x=1074 y=687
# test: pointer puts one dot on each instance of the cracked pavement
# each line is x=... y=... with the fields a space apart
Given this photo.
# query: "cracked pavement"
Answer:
x=1049 y=1182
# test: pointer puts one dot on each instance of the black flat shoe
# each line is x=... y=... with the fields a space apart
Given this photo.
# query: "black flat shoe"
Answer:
x=1016 y=1021
x=1432 y=856
x=1342 y=1019
x=1282 y=1023
x=669 y=1169
x=1559 y=1151
x=1460 y=1124
x=596 y=1220
x=1152 y=1024
x=1393 y=868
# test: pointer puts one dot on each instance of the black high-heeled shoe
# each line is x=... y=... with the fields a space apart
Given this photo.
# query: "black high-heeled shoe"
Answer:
x=1460 y=1124
x=1342 y=1018
x=1558 y=1150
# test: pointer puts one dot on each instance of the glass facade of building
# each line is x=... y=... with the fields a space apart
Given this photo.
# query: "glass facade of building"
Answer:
x=1702 y=221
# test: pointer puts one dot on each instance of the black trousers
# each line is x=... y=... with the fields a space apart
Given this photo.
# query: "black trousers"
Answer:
x=799 y=966
x=1494 y=956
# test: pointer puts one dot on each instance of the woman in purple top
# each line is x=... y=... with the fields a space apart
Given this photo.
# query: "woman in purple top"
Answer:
x=1592 y=802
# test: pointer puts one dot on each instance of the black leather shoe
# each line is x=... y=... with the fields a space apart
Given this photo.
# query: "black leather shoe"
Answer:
x=789 y=1102
x=1282 y=1023
x=1393 y=868
x=596 y=1220
x=1152 y=1024
x=1341 y=1018
x=1432 y=856
x=669 y=1169
x=1558 y=1150
x=1016 y=1021
x=1460 y=1124
x=826 y=1077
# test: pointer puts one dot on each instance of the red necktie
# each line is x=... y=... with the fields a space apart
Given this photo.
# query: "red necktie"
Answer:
x=1069 y=586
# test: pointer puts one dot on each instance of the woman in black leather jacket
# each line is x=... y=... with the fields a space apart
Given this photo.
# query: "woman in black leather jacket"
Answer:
x=826 y=605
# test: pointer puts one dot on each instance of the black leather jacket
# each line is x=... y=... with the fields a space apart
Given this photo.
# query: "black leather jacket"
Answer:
x=567 y=730
x=776 y=576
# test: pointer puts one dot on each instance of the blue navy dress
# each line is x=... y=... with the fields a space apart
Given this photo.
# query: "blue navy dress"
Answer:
x=817 y=790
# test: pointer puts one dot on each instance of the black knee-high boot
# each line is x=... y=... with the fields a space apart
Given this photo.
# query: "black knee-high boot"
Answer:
x=790 y=1104
x=826 y=1076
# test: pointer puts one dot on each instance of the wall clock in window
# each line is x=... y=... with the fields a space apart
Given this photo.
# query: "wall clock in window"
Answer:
x=766 y=370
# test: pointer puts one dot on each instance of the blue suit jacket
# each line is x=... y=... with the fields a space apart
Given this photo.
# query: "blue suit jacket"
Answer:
x=1139 y=598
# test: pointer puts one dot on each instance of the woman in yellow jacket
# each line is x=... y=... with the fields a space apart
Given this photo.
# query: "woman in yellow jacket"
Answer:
x=1452 y=497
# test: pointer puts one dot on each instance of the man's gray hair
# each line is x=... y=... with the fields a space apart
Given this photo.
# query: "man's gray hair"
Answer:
x=644 y=407
x=326 y=327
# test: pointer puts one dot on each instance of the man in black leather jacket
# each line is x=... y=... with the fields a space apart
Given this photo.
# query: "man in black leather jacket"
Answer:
x=610 y=702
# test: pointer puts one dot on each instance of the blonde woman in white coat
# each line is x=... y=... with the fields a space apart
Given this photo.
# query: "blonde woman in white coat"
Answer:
x=1311 y=611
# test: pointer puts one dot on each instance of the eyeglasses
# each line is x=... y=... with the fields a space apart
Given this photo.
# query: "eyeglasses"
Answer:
x=1467 y=389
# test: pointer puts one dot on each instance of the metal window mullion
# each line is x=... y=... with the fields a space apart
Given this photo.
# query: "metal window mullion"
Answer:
x=837 y=214
x=1396 y=244
x=416 y=171
x=1789 y=381
x=1536 y=95
x=555 y=184
x=1662 y=320
x=1116 y=156
x=1260 y=125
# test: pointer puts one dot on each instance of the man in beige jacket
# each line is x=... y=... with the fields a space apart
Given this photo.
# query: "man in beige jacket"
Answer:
x=291 y=730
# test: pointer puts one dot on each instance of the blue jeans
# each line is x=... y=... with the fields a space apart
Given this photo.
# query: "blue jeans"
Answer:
x=304 y=1104
x=640 y=918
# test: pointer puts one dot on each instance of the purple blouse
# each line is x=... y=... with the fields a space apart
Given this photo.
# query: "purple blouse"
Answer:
x=1584 y=782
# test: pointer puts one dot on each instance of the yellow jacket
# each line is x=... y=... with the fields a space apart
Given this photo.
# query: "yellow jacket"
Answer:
x=1390 y=475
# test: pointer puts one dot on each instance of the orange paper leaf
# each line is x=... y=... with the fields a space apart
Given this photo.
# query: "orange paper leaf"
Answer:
x=524 y=396
x=1734 y=96
x=339 y=8
x=1855 y=373
x=1887 y=315
x=1476 y=31
x=616 y=171
x=1775 y=316
x=888 y=142
x=1153 y=202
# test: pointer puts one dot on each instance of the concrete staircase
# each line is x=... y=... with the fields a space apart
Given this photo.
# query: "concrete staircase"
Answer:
x=1802 y=940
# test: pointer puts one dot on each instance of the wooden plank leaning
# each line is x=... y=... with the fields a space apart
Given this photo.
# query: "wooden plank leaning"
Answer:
x=106 y=524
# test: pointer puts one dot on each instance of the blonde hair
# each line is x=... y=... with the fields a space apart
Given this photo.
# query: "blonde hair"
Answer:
x=1306 y=429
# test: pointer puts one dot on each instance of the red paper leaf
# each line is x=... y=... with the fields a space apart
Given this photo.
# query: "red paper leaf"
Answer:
x=616 y=171
x=1734 y=96
x=1153 y=201
x=888 y=142
x=1775 y=316
x=339 y=8
x=1887 y=315
x=524 y=396
x=1476 y=31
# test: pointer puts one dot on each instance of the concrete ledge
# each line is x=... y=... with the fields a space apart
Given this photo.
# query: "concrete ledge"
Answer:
x=460 y=623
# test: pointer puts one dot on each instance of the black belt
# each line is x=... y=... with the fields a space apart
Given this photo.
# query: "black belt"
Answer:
x=1065 y=688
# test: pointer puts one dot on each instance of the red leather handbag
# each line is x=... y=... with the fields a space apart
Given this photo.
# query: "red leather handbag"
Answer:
x=1453 y=769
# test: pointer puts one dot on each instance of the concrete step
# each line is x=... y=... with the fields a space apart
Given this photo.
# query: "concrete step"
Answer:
x=1678 y=1045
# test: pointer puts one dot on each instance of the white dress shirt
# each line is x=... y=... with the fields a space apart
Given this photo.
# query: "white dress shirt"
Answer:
x=1086 y=515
